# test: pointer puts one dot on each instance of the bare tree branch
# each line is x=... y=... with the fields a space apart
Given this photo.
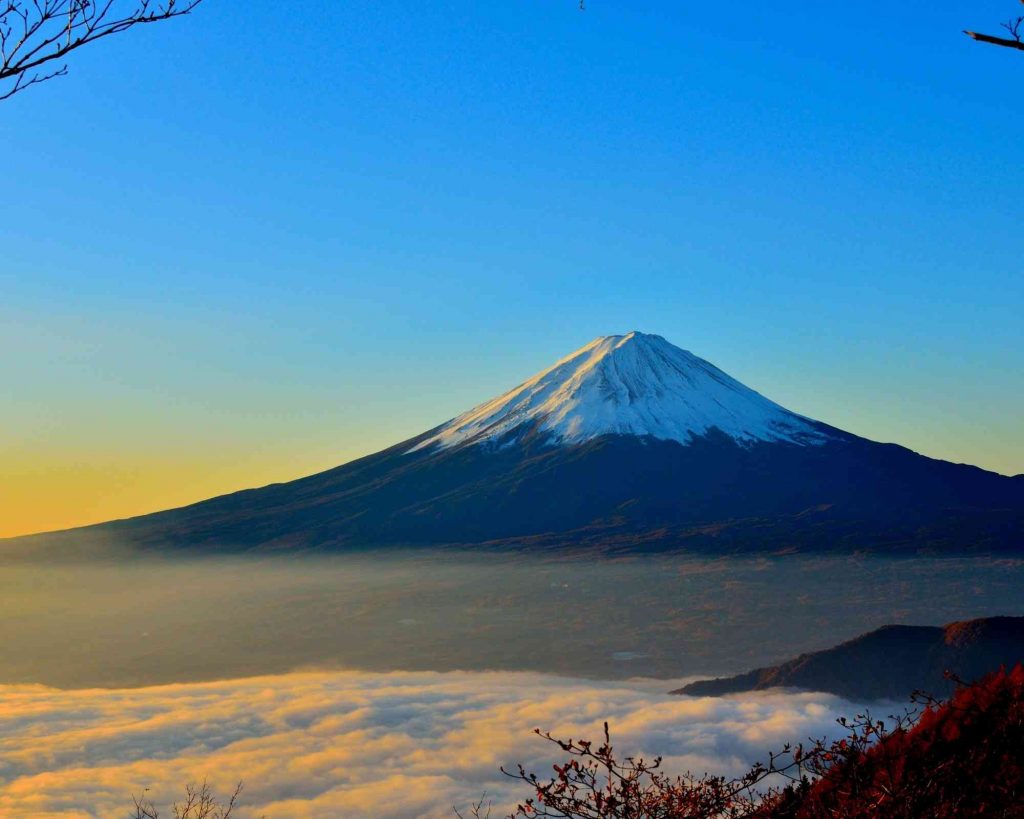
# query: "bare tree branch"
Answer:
x=37 y=35
x=200 y=803
x=1012 y=26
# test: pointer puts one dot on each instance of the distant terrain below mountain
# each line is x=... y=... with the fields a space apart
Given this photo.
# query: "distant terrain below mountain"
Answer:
x=628 y=444
x=890 y=662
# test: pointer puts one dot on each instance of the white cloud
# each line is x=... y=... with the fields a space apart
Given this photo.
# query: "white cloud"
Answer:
x=357 y=744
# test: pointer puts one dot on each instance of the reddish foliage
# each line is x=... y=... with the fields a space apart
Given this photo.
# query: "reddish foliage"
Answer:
x=962 y=758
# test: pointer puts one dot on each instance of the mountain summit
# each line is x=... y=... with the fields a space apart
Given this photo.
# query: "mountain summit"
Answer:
x=635 y=384
x=627 y=444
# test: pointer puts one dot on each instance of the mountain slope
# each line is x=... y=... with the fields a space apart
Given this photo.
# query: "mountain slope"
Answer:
x=890 y=662
x=628 y=444
x=634 y=384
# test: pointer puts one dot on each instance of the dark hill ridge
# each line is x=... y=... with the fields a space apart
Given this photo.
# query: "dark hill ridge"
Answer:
x=628 y=444
x=890 y=662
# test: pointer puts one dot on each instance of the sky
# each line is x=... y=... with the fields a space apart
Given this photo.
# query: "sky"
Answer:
x=244 y=247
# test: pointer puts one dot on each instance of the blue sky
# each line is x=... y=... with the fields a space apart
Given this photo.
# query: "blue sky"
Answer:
x=242 y=247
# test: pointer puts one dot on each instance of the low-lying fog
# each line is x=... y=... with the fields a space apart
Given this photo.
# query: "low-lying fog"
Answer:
x=147 y=620
x=102 y=669
x=362 y=745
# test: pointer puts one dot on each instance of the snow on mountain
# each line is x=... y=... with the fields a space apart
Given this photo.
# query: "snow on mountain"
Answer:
x=633 y=384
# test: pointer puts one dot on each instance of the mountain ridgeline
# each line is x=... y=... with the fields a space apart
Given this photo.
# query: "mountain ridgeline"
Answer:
x=889 y=663
x=629 y=444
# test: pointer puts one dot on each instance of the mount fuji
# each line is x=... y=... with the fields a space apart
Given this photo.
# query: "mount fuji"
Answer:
x=635 y=384
x=628 y=444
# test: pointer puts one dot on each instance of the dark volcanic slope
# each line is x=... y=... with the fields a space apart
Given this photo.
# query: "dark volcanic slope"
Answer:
x=627 y=444
x=891 y=662
x=618 y=492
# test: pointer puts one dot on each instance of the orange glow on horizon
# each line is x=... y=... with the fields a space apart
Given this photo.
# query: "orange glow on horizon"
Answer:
x=45 y=495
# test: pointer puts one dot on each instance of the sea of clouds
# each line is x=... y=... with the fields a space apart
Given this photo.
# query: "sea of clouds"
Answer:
x=360 y=744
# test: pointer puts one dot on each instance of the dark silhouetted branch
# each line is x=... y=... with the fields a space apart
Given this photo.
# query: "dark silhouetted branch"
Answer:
x=36 y=35
x=1013 y=27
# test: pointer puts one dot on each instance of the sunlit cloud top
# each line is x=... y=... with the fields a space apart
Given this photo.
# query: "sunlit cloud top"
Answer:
x=360 y=745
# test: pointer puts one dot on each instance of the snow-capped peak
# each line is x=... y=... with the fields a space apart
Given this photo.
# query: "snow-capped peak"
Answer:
x=633 y=384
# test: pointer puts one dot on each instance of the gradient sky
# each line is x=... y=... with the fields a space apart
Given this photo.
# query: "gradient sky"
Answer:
x=250 y=245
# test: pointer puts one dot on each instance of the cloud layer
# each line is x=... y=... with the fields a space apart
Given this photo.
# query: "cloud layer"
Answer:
x=358 y=744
